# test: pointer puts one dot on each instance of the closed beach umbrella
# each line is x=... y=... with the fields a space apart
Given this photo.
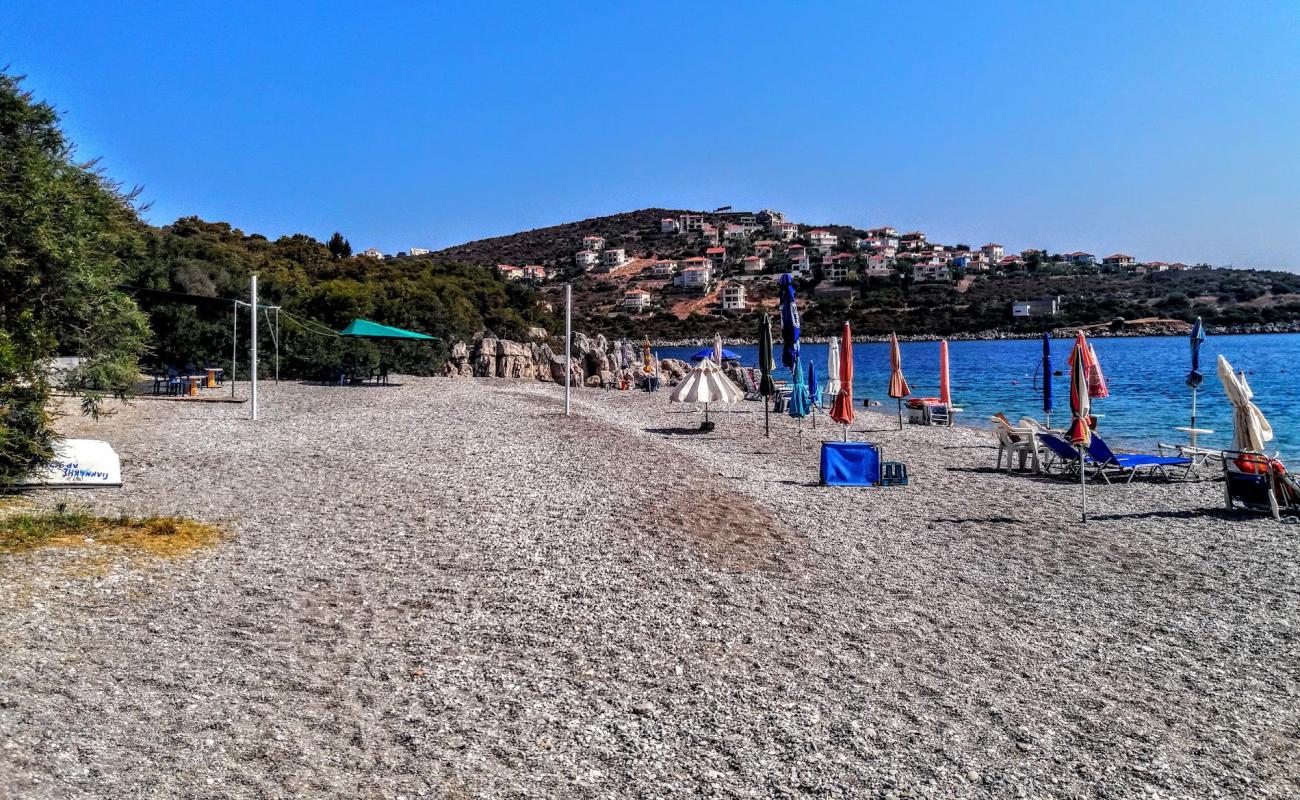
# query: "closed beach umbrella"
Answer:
x=1080 y=408
x=717 y=349
x=1096 y=380
x=832 y=387
x=842 y=408
x=789 y=322
x=814 y=396
x=1194 y=377
x=945 y=390
x=765 y=366
x=1047 y=378
x=629 y=354
x=706 y=384
x=798 y=394
x=814 y=391
x=898 y=388
x=645 y=357
x=1249 y=428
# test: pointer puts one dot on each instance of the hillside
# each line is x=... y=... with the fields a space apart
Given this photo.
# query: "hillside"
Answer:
x=879 y=280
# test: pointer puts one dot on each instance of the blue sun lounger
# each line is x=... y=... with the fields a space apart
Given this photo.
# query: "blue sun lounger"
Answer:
x=1064 y=453
x=1105 y=459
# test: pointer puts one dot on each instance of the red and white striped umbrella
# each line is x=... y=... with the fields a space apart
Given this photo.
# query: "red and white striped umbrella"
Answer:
x=1080 y=432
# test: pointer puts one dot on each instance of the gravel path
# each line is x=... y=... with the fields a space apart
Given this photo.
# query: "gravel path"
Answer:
x=447 y=589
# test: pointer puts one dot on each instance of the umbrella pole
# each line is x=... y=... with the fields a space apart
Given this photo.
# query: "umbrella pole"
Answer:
x=767 y=421
x=1193 y=421
x=1083 y=486
x=900 y=413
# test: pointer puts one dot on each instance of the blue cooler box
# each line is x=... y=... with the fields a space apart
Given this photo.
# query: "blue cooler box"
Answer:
x=850 y=464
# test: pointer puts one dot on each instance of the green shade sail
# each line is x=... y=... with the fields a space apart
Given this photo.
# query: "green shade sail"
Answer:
x=373 y=330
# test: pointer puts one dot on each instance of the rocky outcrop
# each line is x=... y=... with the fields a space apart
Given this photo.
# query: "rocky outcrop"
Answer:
x=597 y=362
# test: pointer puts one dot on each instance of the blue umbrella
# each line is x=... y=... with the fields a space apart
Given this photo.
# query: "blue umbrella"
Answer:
x=1047 y=377
x=727 y=355
x=798 y=394
x=789 y=322
x=1195 y=377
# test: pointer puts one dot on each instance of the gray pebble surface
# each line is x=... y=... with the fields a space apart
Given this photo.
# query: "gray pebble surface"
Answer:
x=448 y=589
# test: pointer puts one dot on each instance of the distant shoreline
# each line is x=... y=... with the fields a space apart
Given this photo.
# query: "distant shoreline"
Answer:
x=993 y=336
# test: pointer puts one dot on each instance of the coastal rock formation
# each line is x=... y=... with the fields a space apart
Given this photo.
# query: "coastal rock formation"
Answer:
x=597 y=362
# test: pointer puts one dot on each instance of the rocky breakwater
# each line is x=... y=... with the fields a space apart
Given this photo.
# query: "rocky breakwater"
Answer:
x=597 y=362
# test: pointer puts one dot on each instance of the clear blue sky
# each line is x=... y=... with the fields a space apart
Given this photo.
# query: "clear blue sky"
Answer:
x=1170 y=131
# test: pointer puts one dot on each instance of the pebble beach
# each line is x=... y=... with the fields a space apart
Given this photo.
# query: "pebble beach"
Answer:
x=447 y=588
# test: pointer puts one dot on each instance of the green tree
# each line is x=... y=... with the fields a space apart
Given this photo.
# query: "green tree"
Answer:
x=338 y=246
x=66 y=234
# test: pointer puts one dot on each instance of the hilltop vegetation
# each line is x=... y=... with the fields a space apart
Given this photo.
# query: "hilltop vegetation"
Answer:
x=191 y=269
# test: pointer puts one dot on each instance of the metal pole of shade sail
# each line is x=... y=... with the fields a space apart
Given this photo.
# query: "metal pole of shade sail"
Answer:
x=568 y=347
x=252 y=288
x=234 y=347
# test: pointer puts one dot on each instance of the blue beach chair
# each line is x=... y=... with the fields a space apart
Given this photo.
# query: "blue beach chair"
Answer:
x=1062 y=452
x=1107 y=459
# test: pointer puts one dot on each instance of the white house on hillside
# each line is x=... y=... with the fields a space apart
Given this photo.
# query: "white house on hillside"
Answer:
x=593 y=243
x=636 y=300
x=664 y=269
x=586 y=259
x=733 y=297
x=613 y=257
x=823 y=240
x=419 y=251
x=993 y=252
x=931 y=272
x=695 y=278
x=669 y=225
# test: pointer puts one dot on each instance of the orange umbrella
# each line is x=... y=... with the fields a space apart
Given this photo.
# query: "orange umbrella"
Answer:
x=842 y=408
x=898 y=388
x=945 y=391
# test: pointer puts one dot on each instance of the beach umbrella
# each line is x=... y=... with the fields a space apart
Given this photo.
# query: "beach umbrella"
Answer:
x=842 y=408
x=709 y=352
x=1194 y=377
x=1096 y=380
x=765 y=366
x=789 y=322
x=832 y=386
x=1249 y=428
x=798 y=393
x=814 y=392
x=648 y=365
x=898 y=388
x=706 y=384
x=945 y=390
x=628 y=354
x=1080 y=433
x=1047 y=378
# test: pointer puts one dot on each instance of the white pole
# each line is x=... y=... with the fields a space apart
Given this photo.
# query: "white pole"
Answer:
x=234 y=349
x=1083 y=486
x=568 y=345
x=253 y=349
x=277 y=346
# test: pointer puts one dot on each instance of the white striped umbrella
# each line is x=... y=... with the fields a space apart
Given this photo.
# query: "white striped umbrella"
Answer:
x=706 y=383
x=1249 y=428
x=832 y=387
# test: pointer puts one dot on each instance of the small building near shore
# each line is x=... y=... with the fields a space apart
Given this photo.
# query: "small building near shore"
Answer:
x=1043 y=307
x=733 y=297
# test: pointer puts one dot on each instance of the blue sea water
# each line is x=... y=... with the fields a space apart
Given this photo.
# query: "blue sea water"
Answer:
x=1146 y=377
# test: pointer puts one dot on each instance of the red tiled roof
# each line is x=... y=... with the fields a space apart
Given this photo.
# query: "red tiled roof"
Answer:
x=713 y=250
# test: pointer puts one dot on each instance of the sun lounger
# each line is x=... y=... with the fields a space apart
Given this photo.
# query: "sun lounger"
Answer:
x=1063 y=453
x=1106 y=459
x=1258 y=483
